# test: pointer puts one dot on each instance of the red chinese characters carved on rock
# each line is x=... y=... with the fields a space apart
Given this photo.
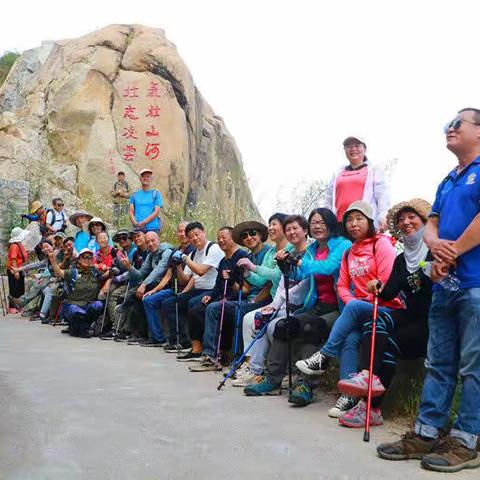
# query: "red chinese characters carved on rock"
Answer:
x=130 y=91
x=129 y=132
x=153 y=111
x=129 y=153
x=152 y=151
x=129 y=112
x=152 y=132
x=153 y=90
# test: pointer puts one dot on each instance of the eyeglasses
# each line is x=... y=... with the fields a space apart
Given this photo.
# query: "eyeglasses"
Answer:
x=246 y=233
x=455 y=124
x=123 y=238
x=320 y=223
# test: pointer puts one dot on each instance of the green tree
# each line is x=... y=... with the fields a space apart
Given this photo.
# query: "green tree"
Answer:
x=6 y=62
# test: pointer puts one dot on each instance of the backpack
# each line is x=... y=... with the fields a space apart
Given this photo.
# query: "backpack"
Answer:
x=126 y=185
x=194 y=251
x=54 y=218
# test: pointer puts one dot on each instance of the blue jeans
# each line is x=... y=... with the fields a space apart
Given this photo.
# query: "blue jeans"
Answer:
x=186 y=301
x=352 y=317
x=151 y=306
x=212 y=323
x=453 y=350
x=349 y=357
x=47 y=299
x=80 y=318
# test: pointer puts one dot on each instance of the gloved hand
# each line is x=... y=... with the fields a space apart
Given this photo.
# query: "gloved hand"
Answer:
x=247 y=264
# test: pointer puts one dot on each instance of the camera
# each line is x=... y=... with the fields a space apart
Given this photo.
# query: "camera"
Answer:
x=176 y=258
x=287 y=263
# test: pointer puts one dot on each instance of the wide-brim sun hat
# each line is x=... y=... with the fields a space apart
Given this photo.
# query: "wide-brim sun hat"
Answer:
x=36 y=204
x=420 y=206
x=18 y=235
x=250 y=225
x=97 y=220
x=73 y=218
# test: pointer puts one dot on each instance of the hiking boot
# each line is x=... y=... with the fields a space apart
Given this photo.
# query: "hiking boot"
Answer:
x=246 y=377
x=45 y=320
x=450 y=455
x=206 y=364
x=189 y=357
x=285 y=383
x=313 y=365
x=357 y=385
x=302 y=393
x=180 y=348
x=343 y=405
x=410 y=445
x=356 y=417
x=264 y=387
x=153 y=343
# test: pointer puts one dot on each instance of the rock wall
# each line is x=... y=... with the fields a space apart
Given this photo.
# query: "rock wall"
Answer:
x=75 y=112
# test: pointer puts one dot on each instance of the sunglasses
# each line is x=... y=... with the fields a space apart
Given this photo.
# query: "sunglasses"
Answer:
x=246 y=233
x=86 y=257
x=123 y=238
x=456 y=123
x=60 y=204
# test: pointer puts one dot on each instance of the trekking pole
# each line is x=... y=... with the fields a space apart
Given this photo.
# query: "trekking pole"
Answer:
x=366 y=433
x=177 y=322
x=105 y=310
x=5 y=296
x=244 y=354
x=224 y=299
x=238 y=317
x=124 y=300
x=57 y=314
x=286 y=282
x=2 y=300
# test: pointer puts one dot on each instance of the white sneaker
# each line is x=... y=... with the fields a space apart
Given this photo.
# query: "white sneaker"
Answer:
x=247 y=377
x=313 y=365
x=343 y=405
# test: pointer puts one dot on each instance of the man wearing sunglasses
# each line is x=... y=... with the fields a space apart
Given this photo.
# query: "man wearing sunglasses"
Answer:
x=124 y=240
x=453 y=237
x=56 y=220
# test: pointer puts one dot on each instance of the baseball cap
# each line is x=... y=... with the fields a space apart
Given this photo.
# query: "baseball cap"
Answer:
x=145 y=170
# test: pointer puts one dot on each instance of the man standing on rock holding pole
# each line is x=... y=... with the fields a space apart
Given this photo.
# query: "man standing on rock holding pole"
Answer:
x=452 y=235
x=145 y=204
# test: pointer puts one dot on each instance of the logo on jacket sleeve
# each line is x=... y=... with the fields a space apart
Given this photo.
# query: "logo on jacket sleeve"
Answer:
x=471 y=179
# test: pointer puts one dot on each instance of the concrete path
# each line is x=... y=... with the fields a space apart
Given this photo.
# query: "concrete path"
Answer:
x=90 y=409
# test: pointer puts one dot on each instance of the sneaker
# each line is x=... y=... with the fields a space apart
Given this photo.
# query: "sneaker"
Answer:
x=450 y=455
x=12 y=311
x=180 y=348
x=356 y=417
x=343 y=405
x=285 y=383
x=302 y=393
x=409 y=446
x=313 y=365
x=153 y=343
x=121 y=337
x=134 y=340
x=45 y=320
x=189 y=357
x=246 y=377
x=357 y=385
x=206 y=364
x=263 y=387
x=65 y=330
x=107 y=335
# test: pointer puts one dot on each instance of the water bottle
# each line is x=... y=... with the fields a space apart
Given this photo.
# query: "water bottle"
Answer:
x=450 y=282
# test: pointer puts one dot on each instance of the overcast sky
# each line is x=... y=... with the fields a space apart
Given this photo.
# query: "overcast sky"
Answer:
x=293 y=79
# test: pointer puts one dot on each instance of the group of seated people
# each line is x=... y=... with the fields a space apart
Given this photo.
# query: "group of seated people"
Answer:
x=308 y=284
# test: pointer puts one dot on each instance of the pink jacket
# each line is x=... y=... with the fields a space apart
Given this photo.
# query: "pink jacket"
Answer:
x=364 y=266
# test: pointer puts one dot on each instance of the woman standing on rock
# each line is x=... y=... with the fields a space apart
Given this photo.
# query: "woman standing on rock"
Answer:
x=359 y=180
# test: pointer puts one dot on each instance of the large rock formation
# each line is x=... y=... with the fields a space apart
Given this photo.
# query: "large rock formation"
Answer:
x=75 y=112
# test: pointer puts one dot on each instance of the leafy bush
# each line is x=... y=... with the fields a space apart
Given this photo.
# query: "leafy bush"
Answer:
x=6 y=62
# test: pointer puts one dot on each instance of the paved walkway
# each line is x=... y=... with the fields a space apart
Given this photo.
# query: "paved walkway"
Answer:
x=90 y=409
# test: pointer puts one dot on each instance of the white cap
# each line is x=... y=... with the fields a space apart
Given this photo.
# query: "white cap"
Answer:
x=85 y=250
x=145 y=170
x=357 y=138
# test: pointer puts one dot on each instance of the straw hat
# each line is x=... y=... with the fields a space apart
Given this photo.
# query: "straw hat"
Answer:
x=18 y=235
x=421 y=207
x=251 y=225
x=36 y=204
